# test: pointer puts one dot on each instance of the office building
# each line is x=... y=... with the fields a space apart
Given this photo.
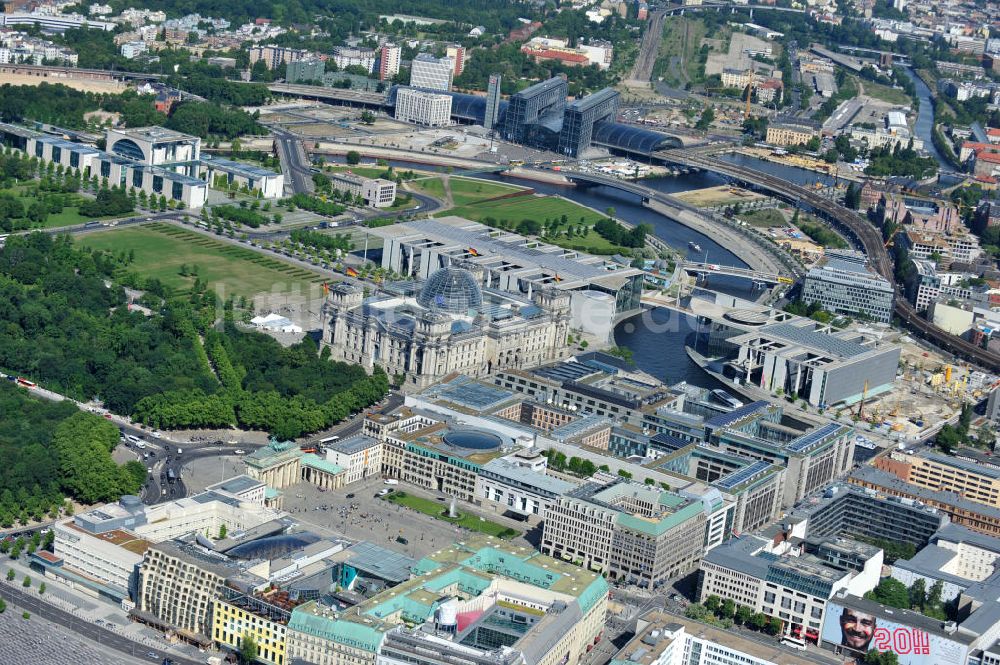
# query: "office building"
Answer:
x=848 y=510
x=275 y=56
x=957 y=557
x=228 y=174
x=431 y=73
x=535 y=114
x=262 y=617
x=492 y=102
x=479 y=601
x=179 y=583
x=843 y=283
x=785 y=135
x=826 y=367
x=375 y=192
x=933 y=471
x=913 y=637
x=519 y=488
x=457 y=54
x=305 y=71
x=510 y=262
x=662 y=638
x=347 y=56
x=422 y=108
x=960 y=510
x=632 y=533
x=791 y=582
x=359 y=456
x=388 y=61
x=106 y=562
x=580 y=116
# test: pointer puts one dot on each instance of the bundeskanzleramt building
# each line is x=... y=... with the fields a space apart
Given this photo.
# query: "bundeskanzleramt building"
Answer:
x=845 y=284
x=421 y=107
x=633 y=533
x=158 y=161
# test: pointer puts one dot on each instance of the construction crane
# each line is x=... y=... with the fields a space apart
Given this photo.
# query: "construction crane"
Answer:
x=746 y=108
x=861 y=404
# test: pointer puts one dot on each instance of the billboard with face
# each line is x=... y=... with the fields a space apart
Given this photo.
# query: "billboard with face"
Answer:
x=857 y=631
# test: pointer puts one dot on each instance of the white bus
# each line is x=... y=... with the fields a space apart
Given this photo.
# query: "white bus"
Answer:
x=329 y=439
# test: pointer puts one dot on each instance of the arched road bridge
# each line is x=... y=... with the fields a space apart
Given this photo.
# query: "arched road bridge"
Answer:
x=857 y=227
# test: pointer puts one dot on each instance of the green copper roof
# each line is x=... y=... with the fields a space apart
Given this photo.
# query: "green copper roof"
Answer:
x=660 y=526
x=350 y=633
x=314 y=461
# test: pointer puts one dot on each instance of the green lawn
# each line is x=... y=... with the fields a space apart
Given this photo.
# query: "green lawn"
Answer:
x=69 y=216
x=464 y=191
x=161 y=249
x=767 y=218
x=363 y=171
x=437 y=509
x=540 y=208
x=886 y=94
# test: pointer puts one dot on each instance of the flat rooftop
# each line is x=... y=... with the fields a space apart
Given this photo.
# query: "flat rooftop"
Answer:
x=503 y=250
x=155 y=134
x=118 y=537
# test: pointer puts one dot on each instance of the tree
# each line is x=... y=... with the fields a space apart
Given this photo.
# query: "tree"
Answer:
x=353 y=157
x=712 y=603
x=10 y=575
x=27 y=581
x=758 y=621
x=743 y=614
x=248 y=649
x=774 y=626
x=728 y=609
x=891 y=592
x=3 y=606
x=918 y=594
x=41 y=588
x=222 y=531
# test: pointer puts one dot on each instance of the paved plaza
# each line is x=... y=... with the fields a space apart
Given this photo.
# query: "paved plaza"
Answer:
x=355 y=512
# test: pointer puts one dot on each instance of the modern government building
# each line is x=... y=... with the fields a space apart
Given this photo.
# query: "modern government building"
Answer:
x=156 y=160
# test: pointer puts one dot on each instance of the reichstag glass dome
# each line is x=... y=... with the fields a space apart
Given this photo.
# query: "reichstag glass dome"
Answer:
x=452 y=290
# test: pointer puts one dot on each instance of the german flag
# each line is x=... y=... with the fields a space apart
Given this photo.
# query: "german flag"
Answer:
x=351 y=272
x=326 y=289
x=557 y=278
x=472 y=250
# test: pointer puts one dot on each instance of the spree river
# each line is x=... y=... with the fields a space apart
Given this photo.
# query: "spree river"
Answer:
x=657 y=338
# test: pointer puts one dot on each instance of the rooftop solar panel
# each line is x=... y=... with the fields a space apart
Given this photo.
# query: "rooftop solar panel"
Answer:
x=813 y=437
x=740 y=476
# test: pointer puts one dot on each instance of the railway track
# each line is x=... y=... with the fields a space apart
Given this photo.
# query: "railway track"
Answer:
x=864 y=234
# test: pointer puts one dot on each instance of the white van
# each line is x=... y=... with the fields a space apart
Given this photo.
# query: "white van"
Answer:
x=391 y=481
